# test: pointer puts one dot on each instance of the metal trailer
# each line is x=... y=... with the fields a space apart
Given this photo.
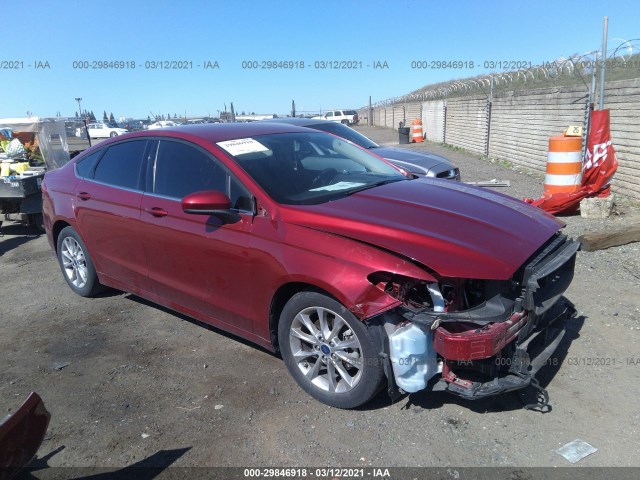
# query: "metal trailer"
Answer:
x=20 y=194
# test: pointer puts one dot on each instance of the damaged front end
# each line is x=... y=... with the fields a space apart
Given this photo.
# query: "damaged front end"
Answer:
x=477 y=338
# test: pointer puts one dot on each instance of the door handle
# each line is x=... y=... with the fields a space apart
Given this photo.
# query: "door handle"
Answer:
x=157 y=211
x=83 y=195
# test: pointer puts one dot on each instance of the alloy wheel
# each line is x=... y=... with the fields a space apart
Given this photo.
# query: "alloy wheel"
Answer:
x=326 y=350
x=74 y=262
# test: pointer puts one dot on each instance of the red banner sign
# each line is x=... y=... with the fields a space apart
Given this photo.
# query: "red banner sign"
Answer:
x=598 y=167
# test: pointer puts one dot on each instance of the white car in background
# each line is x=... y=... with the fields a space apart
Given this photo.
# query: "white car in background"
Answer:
x=346 y=117
x=163 y=124
x=102 y=130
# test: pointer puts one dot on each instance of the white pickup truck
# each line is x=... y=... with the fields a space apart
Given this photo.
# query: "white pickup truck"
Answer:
x=347 y=117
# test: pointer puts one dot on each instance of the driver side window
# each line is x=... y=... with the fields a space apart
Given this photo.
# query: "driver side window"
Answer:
x=182 y=169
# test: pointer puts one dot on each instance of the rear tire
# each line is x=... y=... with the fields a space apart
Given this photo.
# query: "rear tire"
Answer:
x=345 y=122
x=328 y=351
x=113 y=134
x=76 y=264
x=37 y=221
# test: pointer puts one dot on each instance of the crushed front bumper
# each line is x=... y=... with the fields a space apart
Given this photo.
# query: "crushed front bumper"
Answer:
x=501 y=345
x=511 y=372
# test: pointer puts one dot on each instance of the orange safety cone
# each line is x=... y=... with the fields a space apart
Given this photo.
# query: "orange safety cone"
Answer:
x=416 y=131
x=564 y=165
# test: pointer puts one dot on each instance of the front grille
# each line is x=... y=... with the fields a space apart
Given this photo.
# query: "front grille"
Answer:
x=547 y=275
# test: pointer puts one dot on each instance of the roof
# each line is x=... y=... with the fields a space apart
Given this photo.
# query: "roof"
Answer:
x=301 y=122
x=216 y=132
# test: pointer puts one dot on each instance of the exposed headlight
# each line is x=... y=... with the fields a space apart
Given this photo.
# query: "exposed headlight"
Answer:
x=454 y=173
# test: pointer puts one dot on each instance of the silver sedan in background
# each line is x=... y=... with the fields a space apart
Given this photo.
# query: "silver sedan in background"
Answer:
x=421 y=164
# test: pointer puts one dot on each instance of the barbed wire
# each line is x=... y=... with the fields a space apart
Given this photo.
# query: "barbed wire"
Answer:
x=578 y=65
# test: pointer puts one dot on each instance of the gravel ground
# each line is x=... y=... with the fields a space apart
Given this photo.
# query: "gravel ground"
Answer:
x=128 y=382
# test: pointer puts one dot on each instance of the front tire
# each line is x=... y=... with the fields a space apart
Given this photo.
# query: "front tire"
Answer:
x=113 y=134
x=345 y=122
x=328 y=351
x=76 y=264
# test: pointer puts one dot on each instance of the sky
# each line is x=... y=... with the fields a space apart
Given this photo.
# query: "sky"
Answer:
x=52 y=52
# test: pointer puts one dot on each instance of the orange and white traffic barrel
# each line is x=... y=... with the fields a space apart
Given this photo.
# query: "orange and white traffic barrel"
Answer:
x=564 y=165
x=416 y=131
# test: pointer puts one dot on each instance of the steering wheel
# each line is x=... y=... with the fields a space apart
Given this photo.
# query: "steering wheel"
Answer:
x=324 y=178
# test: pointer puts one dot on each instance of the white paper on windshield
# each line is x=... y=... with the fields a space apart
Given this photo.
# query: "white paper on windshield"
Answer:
x=242 y=146
x=337 y=186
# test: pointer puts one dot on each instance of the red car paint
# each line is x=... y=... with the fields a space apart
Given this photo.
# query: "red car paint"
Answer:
x=21 y=434
x=465 y=341
x=228 y=274
x=455 y=229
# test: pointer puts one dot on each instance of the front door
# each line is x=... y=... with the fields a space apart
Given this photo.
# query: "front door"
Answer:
x=197 y=262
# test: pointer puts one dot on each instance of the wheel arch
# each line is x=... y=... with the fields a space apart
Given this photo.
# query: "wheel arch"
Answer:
x=280 y=298
x=55 y=232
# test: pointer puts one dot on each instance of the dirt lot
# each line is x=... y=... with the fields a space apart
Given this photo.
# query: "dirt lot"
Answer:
x=127 y=382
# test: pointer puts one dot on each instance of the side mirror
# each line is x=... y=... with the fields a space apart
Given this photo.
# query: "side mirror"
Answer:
x=207 y=202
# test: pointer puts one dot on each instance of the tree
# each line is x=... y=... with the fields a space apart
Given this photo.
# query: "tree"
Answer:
x=105 y=119
x=92 y=117
x=112 y=120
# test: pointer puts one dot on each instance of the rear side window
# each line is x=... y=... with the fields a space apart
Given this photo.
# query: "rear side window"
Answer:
x=121 y=165
x=84 y=167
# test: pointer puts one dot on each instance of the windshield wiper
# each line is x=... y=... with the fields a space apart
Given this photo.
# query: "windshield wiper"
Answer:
x=372 y=185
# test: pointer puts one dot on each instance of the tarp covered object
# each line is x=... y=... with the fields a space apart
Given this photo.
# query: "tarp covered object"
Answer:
x=598 y=167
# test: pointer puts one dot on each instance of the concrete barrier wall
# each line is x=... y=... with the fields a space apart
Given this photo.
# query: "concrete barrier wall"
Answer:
x=522 y=122
x=433 y=120
x=466 y=123
x=623 y=100
x=516 y=126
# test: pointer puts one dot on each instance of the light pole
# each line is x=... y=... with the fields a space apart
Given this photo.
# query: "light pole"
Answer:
x=78 y=99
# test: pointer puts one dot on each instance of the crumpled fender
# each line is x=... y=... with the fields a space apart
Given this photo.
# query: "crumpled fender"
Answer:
x=21 y=435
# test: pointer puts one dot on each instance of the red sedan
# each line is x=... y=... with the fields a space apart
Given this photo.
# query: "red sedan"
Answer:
x=360 y=275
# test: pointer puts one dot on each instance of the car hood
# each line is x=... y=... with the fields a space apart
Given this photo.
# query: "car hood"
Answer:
x=455 y=229
x=416 y=162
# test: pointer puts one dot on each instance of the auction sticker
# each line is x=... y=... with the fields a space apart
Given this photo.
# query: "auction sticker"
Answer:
x=242 y=146
x=337 y=186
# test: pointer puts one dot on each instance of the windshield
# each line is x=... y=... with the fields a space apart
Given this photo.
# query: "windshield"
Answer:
x=308 y=168
x=345 y=132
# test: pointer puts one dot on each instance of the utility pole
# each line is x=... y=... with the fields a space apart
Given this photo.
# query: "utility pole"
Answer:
x=603 y=59
x=79 y=99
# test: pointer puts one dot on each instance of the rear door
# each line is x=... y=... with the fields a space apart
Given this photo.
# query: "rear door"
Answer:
x=197 y=262
x=107 y=207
